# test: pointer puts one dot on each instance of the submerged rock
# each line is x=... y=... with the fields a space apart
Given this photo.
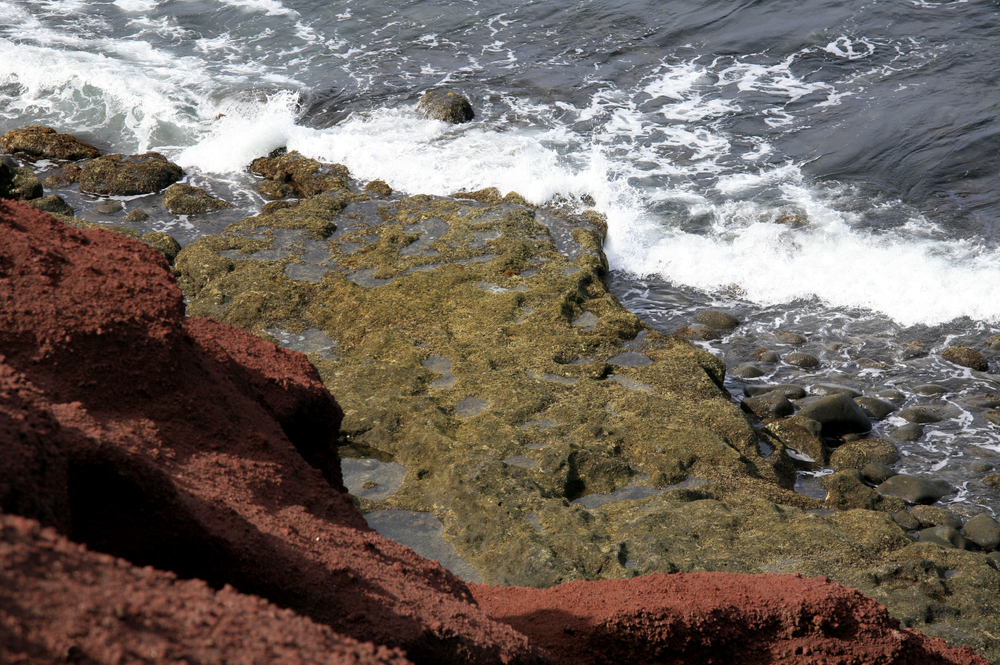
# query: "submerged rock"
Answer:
x=52 y=203
x=716 y=319
x=187 y=200
x=449 y=107
x=838 y=414
x=128 y=175
x=803 y=360
x=966 y=357
x=914 y=489
x=38 y=142
x=17 y=182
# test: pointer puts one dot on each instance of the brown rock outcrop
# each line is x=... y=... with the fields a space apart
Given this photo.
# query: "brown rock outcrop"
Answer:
x=184 y=444
x=698 y=617
x=38 y=142
x=128 y=175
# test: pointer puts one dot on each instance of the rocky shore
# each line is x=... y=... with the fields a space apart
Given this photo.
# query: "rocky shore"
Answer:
x=471 y=341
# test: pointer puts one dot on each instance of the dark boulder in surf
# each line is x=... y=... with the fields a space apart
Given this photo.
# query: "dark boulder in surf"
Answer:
x=128 y=175
x=449 y=107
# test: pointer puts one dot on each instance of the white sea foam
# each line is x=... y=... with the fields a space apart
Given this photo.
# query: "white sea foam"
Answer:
x=271 y=7
x=137 y=5
x=247 y=128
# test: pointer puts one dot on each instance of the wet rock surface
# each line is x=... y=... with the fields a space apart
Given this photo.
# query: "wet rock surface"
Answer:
x=37 y=142
x=128 y=175
x=187 y=200
x=447 y=106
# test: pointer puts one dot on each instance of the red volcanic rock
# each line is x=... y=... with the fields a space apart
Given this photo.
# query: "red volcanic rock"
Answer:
x=183 y=444
x=60 y=602
x=713 y=618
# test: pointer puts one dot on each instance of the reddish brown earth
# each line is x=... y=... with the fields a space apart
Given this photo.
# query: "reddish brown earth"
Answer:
x=184 y=445
x=108 y=611
x=713 y=618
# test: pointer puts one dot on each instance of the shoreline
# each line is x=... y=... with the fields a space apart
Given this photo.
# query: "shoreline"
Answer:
x=506 y=303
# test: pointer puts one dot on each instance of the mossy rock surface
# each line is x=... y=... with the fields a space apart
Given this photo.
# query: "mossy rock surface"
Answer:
x=128 y=175
x=40 y=142
x=473 y=340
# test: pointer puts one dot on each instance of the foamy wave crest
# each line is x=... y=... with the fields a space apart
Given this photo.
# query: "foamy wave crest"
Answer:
x=272 y=7
x=416 y=155
x=78 y=88
x=248 y=125
x=911 y=280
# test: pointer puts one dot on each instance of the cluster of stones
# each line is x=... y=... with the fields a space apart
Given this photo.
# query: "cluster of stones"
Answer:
x=69 y=161
x=823 y=428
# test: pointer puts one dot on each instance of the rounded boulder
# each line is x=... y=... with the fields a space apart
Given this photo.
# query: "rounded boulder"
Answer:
x=128 y=175
x=838 y=414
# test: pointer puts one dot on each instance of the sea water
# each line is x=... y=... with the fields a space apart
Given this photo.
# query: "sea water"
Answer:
x=828 y=169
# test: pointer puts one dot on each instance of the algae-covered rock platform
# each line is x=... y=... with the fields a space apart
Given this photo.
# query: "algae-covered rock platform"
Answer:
x=472 y=340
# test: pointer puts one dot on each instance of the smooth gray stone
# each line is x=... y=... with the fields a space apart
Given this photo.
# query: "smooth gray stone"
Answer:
x=945 y=536
x=905 y=520
x=921 y=414
x=788 y=390
x=877 y=473
x=803 y=360
x=768 y=405
x=992 y=417
x=914 y=489
x=834 y=389
x=891 y=394
x=930 y=389
x=875 y=408
x=746 y=371
x=716 y=319
x=984 y=531
x=794 y=339
x=766 y=356
x=838 y=414
x=911 y=432
x=981 y=401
